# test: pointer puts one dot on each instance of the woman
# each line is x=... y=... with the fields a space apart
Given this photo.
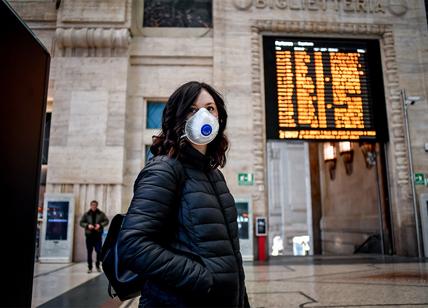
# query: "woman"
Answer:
x=180 y=232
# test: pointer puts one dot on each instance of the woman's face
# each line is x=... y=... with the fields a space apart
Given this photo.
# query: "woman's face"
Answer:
x=204 y=100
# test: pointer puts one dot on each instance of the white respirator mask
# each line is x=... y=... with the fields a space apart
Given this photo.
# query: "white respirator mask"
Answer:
x=202 y=127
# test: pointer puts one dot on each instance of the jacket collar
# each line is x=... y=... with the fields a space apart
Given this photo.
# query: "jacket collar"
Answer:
x=193 y=157
x=96 y=211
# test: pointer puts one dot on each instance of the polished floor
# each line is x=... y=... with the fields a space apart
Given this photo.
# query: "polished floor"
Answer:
x=54 y=280
x=281 y=282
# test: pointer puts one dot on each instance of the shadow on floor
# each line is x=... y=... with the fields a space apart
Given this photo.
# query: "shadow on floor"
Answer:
x=92 y=293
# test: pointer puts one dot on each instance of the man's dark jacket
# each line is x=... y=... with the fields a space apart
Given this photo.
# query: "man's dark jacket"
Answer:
x=100 y=218
x=181 y=233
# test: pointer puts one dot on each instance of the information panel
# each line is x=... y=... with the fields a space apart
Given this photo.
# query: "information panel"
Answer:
x=56 y=241
x=245 y=227
x=243 y=220
x=323 y=89
x=57 y=220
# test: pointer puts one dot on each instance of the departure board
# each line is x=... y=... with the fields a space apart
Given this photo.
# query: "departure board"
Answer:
x=323 y=90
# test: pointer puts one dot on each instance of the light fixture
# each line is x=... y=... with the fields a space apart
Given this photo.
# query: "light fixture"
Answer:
x=330 y=159
x=411 y=100
x=369 y=152
x=347 y=154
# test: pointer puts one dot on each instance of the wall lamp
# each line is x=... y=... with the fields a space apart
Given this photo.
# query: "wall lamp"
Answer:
x=347 y=154
x=369 y=152
x=330 y=158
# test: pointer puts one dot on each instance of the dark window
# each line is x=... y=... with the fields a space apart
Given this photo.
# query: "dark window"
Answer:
x=178 y=13
x=46 y=138
x=154 y=114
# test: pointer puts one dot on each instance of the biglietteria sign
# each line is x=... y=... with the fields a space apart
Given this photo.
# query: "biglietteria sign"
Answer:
x=323 y=89
x=395 y=7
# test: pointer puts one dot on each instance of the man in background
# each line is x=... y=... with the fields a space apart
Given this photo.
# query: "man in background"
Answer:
x=94 y=222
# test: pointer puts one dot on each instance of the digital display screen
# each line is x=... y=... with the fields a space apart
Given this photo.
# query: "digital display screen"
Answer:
x=261 y=226
x=57 y=220
x=323 y=89
x=243 y=220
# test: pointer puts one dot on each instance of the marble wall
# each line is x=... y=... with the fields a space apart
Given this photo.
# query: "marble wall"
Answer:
x=104 y=66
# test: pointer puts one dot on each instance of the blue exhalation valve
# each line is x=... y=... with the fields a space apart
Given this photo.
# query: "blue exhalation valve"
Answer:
x=206 y=130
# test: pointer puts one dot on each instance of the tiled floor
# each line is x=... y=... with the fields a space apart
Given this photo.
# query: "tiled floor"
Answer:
x=355 y=285
x=324 y=282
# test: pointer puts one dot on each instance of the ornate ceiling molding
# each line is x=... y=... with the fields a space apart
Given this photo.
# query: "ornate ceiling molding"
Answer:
x=92 y=42
x=397 y=153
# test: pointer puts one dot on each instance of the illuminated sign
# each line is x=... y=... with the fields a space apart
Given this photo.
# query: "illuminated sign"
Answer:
x=323 y=90
x=57 y=220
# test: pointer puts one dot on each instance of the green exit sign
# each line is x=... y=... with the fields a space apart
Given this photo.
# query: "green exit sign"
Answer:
x=245 y=179
x=419 y=179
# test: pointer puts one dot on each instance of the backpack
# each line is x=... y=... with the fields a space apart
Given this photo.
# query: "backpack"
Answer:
x=125 y=283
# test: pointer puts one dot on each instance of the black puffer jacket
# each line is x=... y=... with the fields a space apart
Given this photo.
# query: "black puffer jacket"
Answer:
x=181 y=233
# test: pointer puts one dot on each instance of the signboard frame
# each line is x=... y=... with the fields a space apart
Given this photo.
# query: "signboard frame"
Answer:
x=375 y=88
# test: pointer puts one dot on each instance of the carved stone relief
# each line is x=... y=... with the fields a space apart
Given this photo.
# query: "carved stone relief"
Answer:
x=92 y=42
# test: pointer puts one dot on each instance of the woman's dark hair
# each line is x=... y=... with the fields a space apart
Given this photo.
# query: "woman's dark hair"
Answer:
x=178 y=107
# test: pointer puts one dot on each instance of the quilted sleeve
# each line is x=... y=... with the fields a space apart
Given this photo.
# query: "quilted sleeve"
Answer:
x=141 y=239
x=83 y=221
